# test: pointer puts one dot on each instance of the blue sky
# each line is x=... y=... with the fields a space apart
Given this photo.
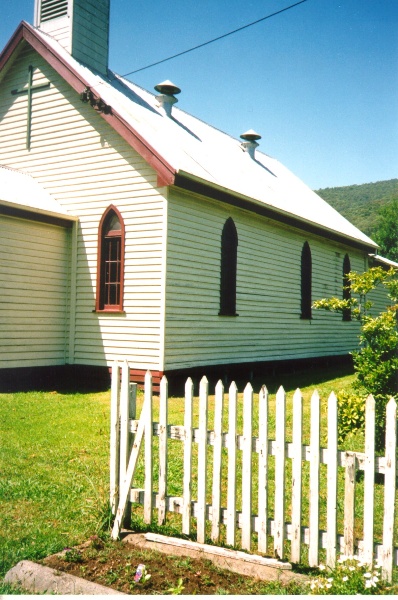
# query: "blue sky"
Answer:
x=319 y=82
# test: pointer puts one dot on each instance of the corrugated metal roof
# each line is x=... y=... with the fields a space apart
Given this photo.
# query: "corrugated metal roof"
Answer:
x=18 y=189
x=201 y=152
x=384 y=261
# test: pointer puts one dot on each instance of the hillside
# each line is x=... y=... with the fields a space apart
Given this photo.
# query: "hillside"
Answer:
x=361 y=203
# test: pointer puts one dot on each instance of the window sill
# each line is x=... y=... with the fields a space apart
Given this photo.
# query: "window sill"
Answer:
x=228 y=314
x=109 y=311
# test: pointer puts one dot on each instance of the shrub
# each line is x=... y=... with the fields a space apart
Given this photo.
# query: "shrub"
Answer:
x=351 y=409
x=376 y=361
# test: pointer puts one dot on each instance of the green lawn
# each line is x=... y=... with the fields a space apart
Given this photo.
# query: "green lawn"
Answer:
x=54 y=472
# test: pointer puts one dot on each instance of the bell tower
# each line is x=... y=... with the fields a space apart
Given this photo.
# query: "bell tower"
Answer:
x=80 y=26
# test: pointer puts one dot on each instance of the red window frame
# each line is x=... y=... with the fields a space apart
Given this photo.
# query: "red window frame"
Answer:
x=110 y=263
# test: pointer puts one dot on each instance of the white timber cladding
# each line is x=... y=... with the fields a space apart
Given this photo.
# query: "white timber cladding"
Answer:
x=60 y=29
x=86 y=166
x=268 y=325
x=34 y=275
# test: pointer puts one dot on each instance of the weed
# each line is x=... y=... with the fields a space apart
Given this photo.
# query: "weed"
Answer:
x=350 y=576
x=177 y=590
x=72 y=555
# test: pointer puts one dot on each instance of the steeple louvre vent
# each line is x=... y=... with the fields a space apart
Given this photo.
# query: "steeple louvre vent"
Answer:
x=51 y=9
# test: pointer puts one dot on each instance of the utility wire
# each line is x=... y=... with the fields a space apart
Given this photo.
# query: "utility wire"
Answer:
x=278 y=12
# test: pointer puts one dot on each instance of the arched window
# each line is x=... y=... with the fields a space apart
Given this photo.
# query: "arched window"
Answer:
x=229 y=259
x=346 y=287
x=110 y=265
x=306 y=281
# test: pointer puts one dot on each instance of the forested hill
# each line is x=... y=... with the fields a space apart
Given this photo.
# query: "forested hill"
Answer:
x=360 y=204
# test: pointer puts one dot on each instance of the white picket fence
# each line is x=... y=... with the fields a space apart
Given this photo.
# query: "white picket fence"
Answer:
x=127 y=434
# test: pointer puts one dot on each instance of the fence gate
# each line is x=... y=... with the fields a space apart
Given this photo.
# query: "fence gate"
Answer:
x=243 y=471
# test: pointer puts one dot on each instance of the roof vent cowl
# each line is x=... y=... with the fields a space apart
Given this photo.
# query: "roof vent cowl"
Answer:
x=250 y=144
x=166 y=98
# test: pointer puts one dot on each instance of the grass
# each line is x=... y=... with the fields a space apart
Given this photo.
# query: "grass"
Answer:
x=54 y=472
x=54 y=463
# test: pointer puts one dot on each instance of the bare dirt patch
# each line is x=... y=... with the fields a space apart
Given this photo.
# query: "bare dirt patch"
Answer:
x=114 y=564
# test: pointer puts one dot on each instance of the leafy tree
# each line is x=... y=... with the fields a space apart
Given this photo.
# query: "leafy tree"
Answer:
x=376 y=361
x=386 y=233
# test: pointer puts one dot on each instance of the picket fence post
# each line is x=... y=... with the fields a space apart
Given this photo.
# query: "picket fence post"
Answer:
x=163 y=420
x=114 y=439
x=187 y=477
x=217 y=455
x=232 y=454
x=247 y=467
x=369 y=480
x=124 y=434
x=148 y=485
x=297 y=469
x=331 y=519
x=313 y=551
x=202 y=460
x=280 y=454
x=263 y=470
x=390 y=482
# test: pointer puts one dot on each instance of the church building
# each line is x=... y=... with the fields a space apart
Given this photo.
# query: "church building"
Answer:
x=129 y=229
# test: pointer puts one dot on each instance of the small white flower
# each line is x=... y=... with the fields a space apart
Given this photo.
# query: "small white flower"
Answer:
x=367 y=575
x=342 y=558
x=330 y=579
x=375 y=578
x=321 y=567
x=352 y=568
x=368 y=584
x=345 y=578
x=328 y=585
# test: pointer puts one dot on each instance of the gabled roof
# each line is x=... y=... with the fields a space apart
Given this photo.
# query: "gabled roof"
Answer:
x=21 y=195
x=187 y=152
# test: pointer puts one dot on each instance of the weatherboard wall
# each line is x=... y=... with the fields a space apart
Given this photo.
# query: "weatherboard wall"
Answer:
x=268 y=326
x=34 y=275
x=86 y=166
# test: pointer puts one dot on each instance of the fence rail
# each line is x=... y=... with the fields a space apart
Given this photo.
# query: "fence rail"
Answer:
x=235 y=452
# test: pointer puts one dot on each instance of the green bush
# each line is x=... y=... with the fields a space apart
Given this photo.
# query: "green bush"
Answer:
x=376 y=361
x=351 y=411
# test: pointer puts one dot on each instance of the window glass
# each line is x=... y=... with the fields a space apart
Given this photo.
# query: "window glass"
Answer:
x=229 y=257
x=306 y=282
x=346 y=286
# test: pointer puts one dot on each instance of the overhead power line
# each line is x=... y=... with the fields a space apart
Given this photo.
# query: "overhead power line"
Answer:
x=278 y=12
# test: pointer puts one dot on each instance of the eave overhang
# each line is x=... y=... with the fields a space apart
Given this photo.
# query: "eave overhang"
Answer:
x=194 y=185
x=27 y=33
x=383 y=262
x=19 y=211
